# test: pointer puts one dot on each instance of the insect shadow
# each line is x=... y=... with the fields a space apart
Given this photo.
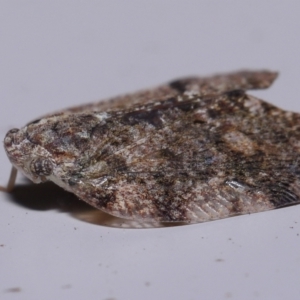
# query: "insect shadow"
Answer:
x=48 y=196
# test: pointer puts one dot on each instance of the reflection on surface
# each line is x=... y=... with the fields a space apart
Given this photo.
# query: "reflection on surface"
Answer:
x=48 y=196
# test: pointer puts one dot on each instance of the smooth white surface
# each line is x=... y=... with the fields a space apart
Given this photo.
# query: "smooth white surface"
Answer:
x=56 y=54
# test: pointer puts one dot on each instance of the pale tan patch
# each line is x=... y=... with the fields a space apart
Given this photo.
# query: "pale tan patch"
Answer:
x=239 y=142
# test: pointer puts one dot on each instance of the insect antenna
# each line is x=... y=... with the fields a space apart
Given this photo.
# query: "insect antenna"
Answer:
x=11 y=181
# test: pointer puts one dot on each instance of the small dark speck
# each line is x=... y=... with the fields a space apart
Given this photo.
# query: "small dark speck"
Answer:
x=292 y=227
x=147 y=283
x=75 y=228
x=219 y=260
x=13 y=290
x=2 y=245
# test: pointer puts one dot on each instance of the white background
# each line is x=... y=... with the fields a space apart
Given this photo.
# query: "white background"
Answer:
x=55 y=54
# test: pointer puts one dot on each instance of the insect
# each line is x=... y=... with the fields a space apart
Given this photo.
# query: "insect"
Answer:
x=193 y=150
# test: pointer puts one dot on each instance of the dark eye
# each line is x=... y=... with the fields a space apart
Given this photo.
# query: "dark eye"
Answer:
x=41 y=166
x=12 y=131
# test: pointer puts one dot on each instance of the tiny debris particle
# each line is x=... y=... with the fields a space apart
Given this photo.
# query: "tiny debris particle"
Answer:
x=194 y=150
x=13 y=290
x=219 y=260
x=228 y=295
x=66 y=286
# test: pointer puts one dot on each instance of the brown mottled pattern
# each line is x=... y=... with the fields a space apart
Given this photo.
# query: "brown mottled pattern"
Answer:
x=195 y=150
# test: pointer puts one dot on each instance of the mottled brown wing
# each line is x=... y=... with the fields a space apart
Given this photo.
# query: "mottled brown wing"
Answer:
x=217 y=84
x=196 y=159
x=194 y=150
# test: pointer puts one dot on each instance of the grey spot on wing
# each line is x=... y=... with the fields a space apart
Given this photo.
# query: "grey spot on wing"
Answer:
x=151 y=117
